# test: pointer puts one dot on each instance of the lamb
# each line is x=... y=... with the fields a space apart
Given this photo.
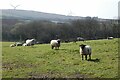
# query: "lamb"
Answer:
x=12 y=45
x=24 y=44
x=85 y=50
x=55 y=43
x=16 y=44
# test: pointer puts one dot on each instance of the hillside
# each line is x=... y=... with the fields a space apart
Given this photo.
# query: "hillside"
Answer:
x=34 y=15
x=40 y=61
x=36 y=24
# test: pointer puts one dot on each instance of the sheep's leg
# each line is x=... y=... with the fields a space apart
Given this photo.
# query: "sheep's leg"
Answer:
x=30 y=44
x=82 y=57
x=90 y=56
x=52 y=47
x=55 y=47
x=85 y=57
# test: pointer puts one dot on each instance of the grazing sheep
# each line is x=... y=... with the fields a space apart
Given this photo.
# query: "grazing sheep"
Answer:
x=12 y=45
x=30 y=42
x=19 y=44
x=55 y=43
x=85 y=50
x=80 y=39
x=109 y=38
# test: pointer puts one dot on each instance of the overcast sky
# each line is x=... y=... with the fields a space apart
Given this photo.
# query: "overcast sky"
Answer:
x=94 y=8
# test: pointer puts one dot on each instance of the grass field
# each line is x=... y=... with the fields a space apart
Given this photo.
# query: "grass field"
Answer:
x=41 y=61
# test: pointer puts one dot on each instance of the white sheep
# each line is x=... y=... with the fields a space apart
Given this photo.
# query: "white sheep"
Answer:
x=85 y=50
x=12 y=45
x=24 y=44
x=19 y=44
x=109 y=38
x=29 y=42
x=55 y=43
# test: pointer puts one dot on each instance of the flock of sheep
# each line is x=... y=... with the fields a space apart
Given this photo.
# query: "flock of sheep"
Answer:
x=84 y=49
x=28 y=42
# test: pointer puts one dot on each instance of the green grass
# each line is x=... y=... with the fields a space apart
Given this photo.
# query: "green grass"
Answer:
x=41 y=61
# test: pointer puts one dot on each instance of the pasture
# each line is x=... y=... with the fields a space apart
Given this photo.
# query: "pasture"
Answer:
x=40 y=61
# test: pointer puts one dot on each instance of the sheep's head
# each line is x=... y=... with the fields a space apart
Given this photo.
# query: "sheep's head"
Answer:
x=58 y=40
x=33 y=39
x=82 y=46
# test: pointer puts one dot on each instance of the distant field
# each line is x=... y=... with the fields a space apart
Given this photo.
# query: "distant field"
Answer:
x=41 y=61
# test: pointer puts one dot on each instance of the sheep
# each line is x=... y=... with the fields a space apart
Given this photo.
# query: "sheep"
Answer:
x=80 y=39
x=85 y=50
x=12 y=45
x=109 y=38
x=30 y=42
x=19 y=44
x=55 y=43
x=16 y=44
x=24 y=44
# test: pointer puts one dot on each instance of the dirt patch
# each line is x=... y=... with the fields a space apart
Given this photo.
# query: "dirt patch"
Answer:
x=56 y=75
x=77 y=75
x=11 y=66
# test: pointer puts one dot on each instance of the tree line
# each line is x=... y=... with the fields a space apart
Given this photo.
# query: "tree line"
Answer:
x=44 y=31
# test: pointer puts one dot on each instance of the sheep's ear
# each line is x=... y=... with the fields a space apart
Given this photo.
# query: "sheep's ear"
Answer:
x=81 y=45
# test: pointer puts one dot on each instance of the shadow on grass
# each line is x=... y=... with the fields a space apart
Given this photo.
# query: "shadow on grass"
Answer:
x=63 y=49
x=94 y=60
x=60 y=49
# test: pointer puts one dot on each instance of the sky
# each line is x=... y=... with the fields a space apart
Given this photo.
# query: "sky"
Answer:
x=107 y=9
